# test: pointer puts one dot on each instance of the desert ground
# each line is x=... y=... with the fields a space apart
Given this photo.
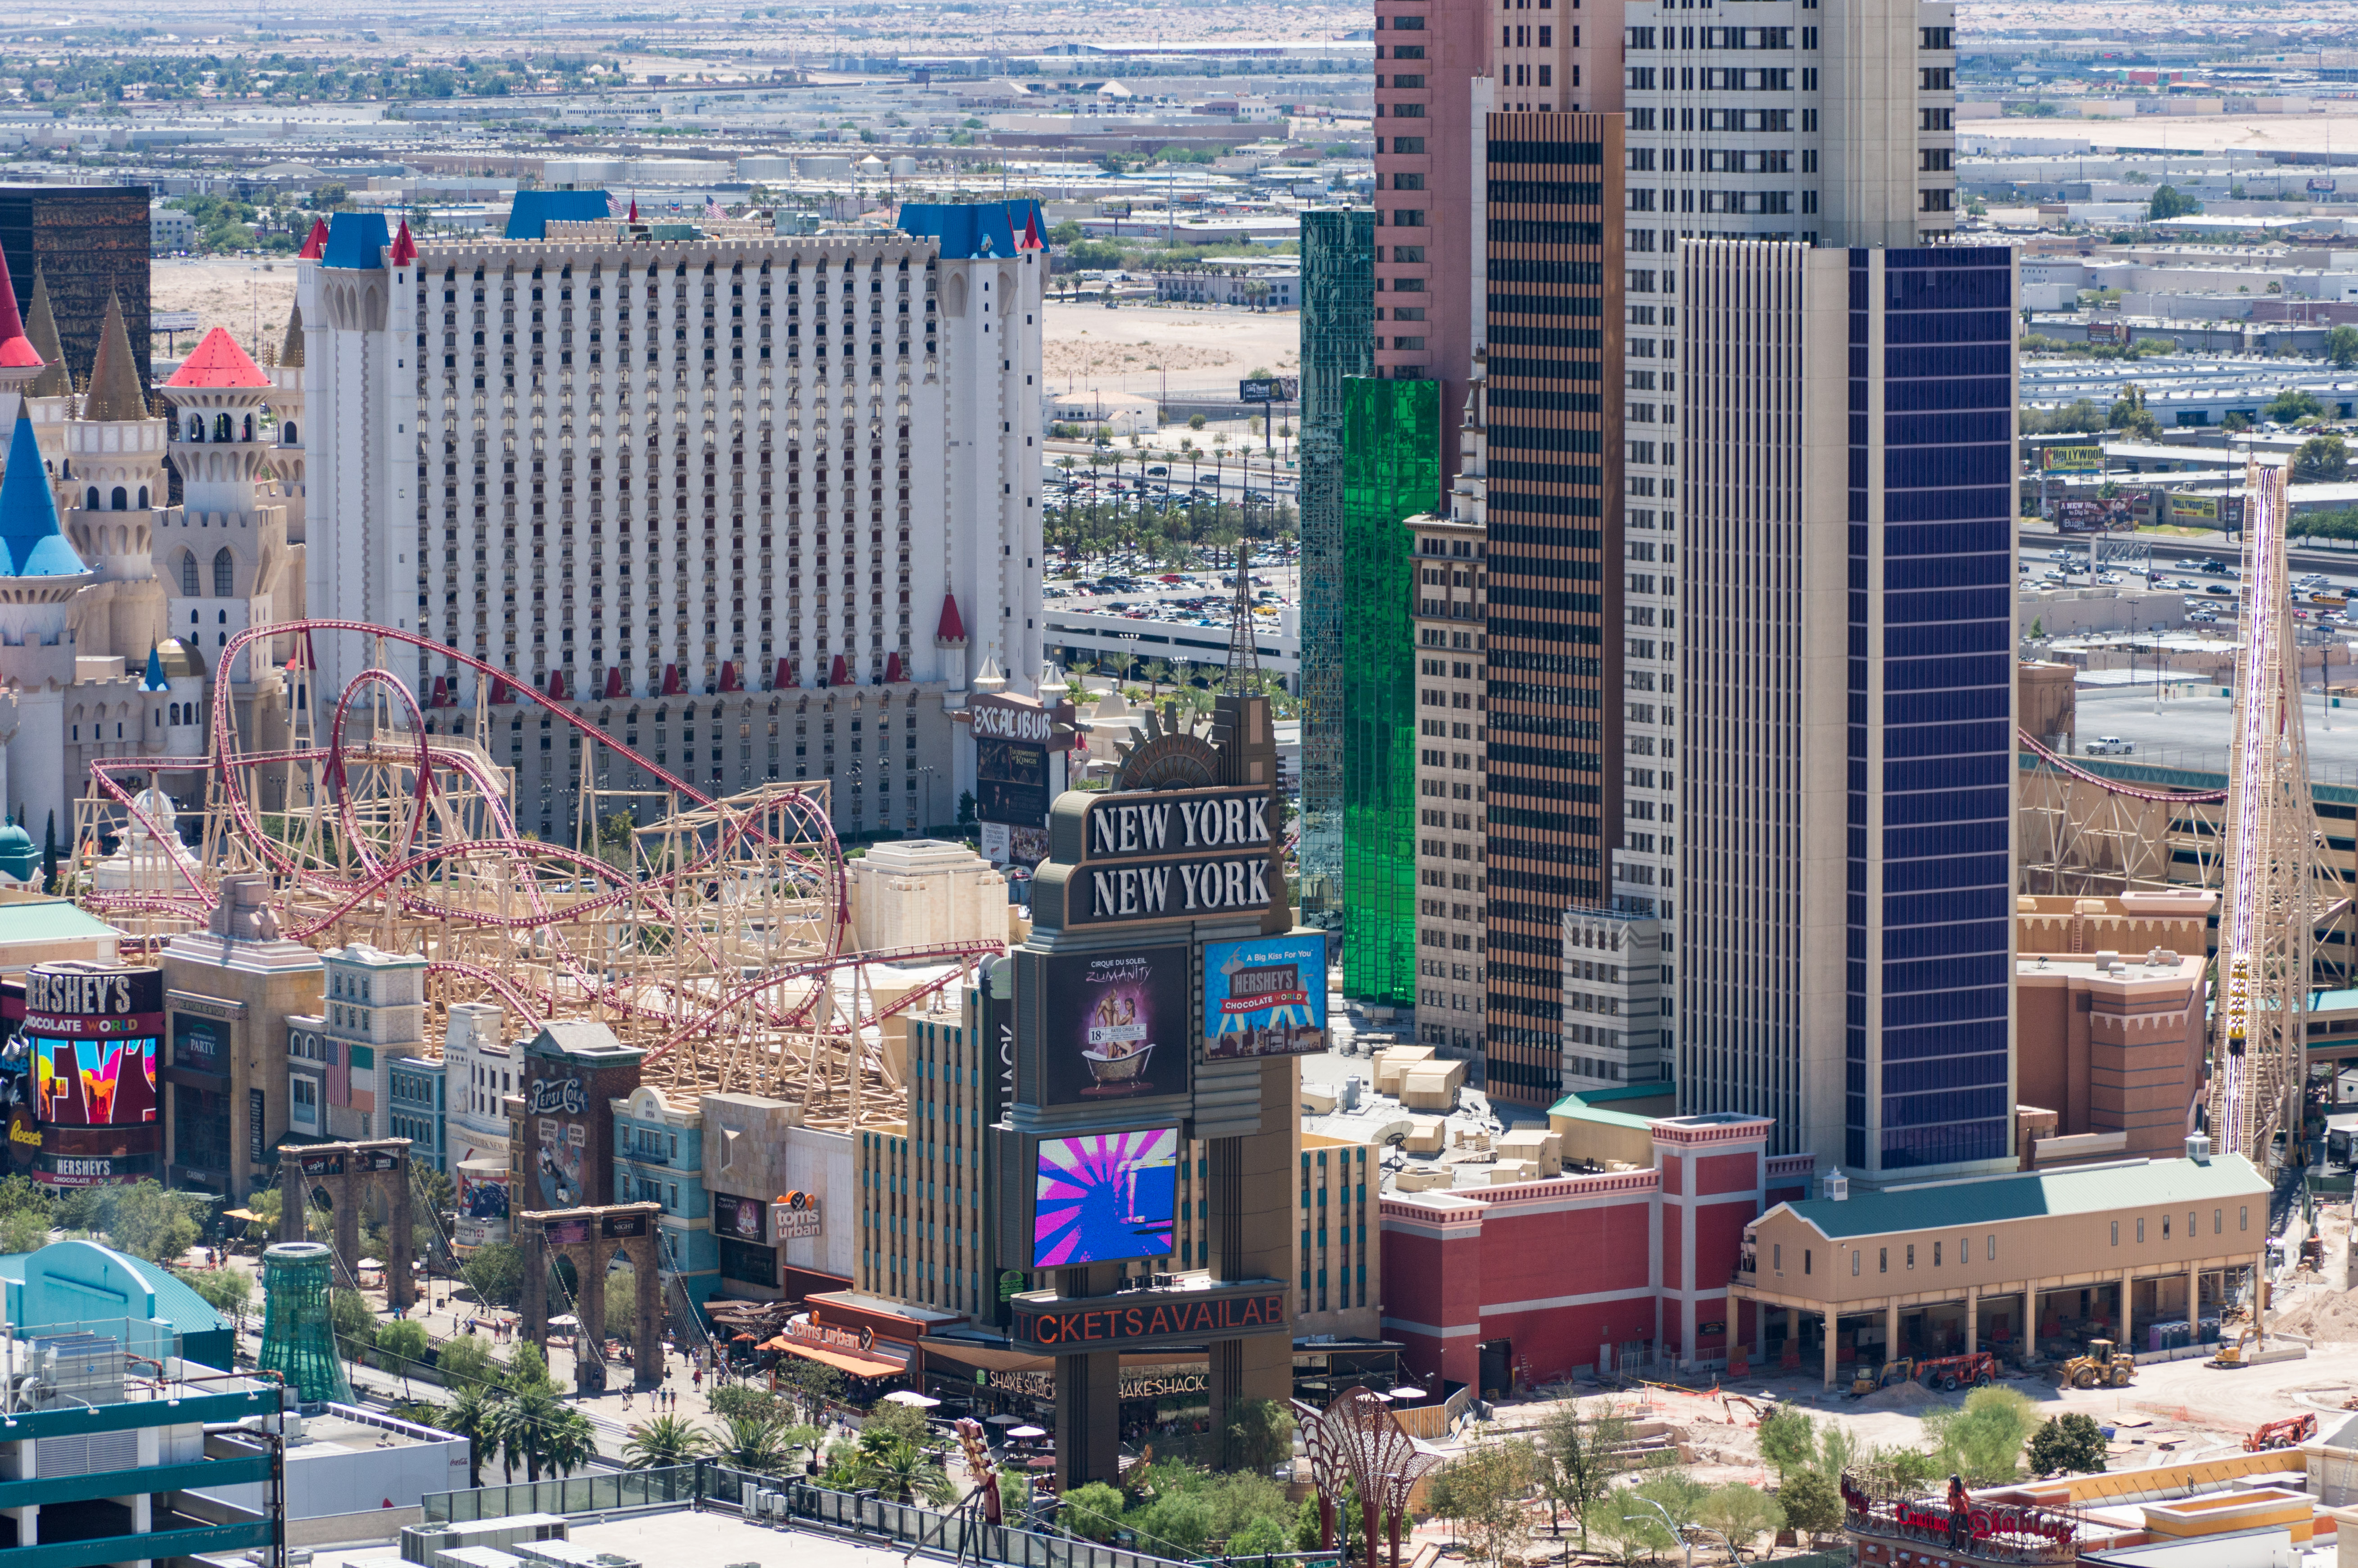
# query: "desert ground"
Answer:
x=1145 y=348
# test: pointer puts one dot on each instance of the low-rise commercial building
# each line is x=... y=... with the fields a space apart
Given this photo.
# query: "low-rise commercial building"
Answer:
x=659 y=1158
x=1948 y=1267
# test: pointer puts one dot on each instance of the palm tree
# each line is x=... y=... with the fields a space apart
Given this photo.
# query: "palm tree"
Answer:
x=532 y=1410
x=504 y=1430
x=752 y=1442
x=901 y=1469
x=474 y=1415
x=566 y=1441
x=662 y=1441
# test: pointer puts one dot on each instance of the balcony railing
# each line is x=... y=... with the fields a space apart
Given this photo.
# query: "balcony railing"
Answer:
x=1979 y=1531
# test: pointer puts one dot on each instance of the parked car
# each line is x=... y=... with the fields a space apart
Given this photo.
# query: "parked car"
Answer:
x=2110 y=746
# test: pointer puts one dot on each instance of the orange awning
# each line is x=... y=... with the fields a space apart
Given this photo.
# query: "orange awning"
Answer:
x=842 y=1361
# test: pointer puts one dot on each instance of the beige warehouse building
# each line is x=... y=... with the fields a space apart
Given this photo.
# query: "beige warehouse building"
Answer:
x=1944 y=1268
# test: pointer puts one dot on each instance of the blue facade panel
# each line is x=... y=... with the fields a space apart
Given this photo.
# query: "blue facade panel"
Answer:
x=1941 y=1067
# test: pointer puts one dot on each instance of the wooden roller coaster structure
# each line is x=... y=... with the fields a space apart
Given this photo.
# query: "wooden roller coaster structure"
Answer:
x=716 y=936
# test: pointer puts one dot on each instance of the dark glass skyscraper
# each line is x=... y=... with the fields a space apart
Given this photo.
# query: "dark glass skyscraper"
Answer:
x=1553 y=323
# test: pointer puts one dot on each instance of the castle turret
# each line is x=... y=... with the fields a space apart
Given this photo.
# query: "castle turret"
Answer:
x=113 y=449
x=49 y=399
x=287 y=403
x=225 y=555
x=20 y=363
x=39 y=573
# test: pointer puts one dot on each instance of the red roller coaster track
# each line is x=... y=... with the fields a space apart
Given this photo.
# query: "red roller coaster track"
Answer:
x=398 y=873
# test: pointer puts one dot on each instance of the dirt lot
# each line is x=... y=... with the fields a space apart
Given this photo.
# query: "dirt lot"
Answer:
x=1144 y=349
x=1197 y=348
x=226 y=293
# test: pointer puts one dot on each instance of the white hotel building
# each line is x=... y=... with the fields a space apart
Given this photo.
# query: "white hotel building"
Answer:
x=760 y=506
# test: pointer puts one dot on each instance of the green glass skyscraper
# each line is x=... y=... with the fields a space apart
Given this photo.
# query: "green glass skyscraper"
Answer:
x=1337 y=290
x=1391 y=469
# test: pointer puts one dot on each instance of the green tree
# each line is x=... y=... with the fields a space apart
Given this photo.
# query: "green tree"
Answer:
x=1092 y=1512
x=2169 y=202
x=2071 y=1442
x=2322 y=458
x=1811 y=1504
x=226 y=1290
x=1482 y=1493
x=1260 y=1437
x=811 y=1385
x=401 y=1346
x=465 y=1362
x=903 y=1471
x=527 y=1370
x=2293 y=404
x=24 y=1230
x=2342 y=346
x=473 y=1413
x=891 y=1422
x=751 y=1443
x=1789 y=1441
x=355 y=1320
x=1677 y=1495
x=662 y=1441
x=1982 y=1440
x=1580 y=1459
x=533 y=1411
x=566 y=1440
x=1178 y=1524
x=496 y=1273
x=1740 y=1513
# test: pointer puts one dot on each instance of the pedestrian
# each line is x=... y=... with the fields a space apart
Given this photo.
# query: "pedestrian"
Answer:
x=696 y=1377
x=626 y=1396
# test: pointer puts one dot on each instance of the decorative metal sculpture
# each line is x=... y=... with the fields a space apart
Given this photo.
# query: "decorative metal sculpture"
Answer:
x=1358 y=1441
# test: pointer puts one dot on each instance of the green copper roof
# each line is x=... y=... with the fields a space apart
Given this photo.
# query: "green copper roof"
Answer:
x=2143 y=1184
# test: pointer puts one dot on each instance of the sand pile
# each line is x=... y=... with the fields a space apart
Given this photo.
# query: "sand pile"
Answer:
x=1906 y=1396
x=2325 y=1316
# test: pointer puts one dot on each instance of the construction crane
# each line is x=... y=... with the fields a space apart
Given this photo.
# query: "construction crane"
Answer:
x=2270 y=907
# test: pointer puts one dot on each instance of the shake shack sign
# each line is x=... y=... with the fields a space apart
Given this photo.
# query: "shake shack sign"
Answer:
x=1161 y=855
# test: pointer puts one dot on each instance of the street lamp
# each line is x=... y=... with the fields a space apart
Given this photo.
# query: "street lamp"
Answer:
x=1677 y=1533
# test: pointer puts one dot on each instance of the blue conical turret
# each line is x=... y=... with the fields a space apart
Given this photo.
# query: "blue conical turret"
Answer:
x=155 y=680
x=30 y=544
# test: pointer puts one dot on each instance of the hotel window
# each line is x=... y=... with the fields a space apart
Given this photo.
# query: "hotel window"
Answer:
x=2116 y=1233
x=2243 y=1217
x=1854 y=1257
x=2140 y=1228
x=1776 y=1257
x=1936 y=1254
x=1911 y=1255
x=2218 y=1221
x=1883 y=1259
x=1992 y=1247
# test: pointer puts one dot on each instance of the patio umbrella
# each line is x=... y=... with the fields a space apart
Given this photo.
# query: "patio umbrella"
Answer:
x=1001 y=1419
x=565 y=1319
x=1026 y=1432
x=1406 y=1392
x=910 y=1397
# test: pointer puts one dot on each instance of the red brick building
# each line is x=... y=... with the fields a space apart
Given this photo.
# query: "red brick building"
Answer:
x=1530 y=1280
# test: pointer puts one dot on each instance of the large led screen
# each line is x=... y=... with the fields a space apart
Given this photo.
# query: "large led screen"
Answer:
x=1265 y=997
x=94 y=1083
x=1105 y=1197
x=1117 y=1026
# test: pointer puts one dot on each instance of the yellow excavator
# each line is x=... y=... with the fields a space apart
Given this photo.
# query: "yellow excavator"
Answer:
x=2230 y=1356
x=2103 y=1366
x=1897 y=1370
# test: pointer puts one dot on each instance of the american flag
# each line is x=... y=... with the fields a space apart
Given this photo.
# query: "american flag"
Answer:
x=614 y=205
x=712 y=207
